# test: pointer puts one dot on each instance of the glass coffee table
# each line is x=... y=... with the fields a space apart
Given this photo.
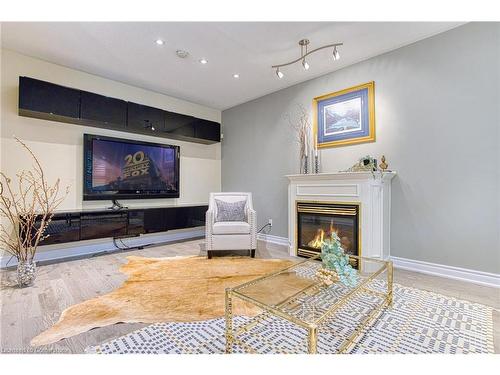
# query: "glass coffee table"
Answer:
x=301 y=296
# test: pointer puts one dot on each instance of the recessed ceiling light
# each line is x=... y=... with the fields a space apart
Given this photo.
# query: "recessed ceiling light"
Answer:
x=203 y=61
x=236 y=75
x=160 y=42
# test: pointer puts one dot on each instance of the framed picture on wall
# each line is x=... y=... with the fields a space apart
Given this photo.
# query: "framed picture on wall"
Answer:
x=345 y=117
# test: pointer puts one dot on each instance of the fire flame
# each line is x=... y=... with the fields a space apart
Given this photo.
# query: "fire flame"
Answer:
x=318 y=240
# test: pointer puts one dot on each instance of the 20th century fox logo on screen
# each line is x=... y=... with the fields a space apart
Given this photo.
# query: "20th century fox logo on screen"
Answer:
x=136 y=165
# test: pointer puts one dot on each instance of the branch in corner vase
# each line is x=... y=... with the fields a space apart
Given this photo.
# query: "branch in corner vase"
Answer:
x=301 y=125
x=27 y=205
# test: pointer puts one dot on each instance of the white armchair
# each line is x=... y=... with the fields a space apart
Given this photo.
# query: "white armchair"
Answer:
x=231 y=235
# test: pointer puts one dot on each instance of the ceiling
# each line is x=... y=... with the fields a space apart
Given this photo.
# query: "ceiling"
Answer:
x=127 y=52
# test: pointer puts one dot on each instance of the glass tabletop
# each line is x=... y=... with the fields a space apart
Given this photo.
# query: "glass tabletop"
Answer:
x=305 y=292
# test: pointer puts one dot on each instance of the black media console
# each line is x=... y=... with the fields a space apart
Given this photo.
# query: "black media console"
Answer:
x=104 y=223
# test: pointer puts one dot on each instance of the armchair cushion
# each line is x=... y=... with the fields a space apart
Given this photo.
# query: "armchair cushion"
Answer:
x=231 y=227
x=230 y=211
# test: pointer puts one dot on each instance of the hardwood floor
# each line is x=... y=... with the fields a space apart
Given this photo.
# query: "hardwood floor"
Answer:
x=26 y=312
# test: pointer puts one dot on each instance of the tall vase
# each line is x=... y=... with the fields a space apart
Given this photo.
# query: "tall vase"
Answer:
x=26 y=273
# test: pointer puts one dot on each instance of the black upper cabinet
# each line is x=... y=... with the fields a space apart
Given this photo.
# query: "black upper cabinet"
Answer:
x=144 y=119
x=103 y=110
x=48 y=101
x=48 y=98
x=178 y=125
x=189 y=127
x=209 y=130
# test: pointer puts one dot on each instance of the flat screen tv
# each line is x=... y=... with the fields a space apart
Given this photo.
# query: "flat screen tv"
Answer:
x=125 y=169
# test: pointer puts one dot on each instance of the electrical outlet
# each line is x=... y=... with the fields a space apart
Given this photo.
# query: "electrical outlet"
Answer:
x=270 y=222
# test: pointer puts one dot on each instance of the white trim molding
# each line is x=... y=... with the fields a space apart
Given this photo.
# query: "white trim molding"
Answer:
x=450 y=272
x=328 y=190
x=87 y=248
x=277 y=240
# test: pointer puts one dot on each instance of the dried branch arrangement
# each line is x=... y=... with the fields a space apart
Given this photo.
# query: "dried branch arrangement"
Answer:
x=23 y=201
x=301 y=125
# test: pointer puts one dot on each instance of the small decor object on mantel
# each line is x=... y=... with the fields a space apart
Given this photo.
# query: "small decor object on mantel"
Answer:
x=316 y=156
x=345 y=117
x=365 y=164
x=27 y=209
x=336 y=263
x=383 y=165
x=302 y=127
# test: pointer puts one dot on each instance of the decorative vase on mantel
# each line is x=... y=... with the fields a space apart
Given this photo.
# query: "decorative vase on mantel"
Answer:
x=26 y=273
x=304 y=165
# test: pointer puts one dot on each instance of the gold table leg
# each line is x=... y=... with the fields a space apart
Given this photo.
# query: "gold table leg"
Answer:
x=229 y=321
x=313 y=340
x=390 y=276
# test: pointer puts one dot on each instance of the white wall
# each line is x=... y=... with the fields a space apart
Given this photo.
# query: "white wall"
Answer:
x=59 y=146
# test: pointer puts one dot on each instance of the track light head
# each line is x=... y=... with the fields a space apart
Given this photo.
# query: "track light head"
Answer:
x=336 y=54
x=279 y=73
x=305 y=64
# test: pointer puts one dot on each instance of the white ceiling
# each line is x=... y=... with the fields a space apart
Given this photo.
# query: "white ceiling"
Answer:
x=127 y=52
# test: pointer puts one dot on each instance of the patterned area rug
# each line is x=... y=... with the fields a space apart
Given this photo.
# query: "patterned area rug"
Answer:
x=418 y=322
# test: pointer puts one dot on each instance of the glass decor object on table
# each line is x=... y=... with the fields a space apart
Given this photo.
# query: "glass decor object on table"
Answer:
x=305 y=297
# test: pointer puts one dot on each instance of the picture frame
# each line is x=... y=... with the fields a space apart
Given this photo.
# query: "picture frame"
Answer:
x=345 y=117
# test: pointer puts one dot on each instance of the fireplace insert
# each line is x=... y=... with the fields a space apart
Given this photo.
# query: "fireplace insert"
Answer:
x=316 y=221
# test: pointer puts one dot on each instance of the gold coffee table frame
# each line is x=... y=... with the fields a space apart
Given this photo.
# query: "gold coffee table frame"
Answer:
x=311 y=326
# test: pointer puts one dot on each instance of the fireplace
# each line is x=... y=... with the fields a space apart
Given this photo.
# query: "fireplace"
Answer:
x=317 y=220
x=356 y=201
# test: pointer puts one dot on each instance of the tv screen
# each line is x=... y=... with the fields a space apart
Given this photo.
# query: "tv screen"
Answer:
x=125 y=169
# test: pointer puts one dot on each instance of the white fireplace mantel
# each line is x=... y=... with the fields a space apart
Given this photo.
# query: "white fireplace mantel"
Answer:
x=371 y=191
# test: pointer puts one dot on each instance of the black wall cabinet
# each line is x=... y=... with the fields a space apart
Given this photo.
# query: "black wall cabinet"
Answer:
x=64 y=227
x=103 y=224
x=50 y=100
x=144 y=119
x=204 y=129
x=86 y=225
x=45 y=100
x=103 y=110
x=179 y=125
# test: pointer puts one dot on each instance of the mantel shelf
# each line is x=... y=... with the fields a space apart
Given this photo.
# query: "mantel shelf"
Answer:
x=386 y=176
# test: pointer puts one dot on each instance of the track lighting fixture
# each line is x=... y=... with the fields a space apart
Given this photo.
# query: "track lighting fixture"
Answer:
x=304 y=43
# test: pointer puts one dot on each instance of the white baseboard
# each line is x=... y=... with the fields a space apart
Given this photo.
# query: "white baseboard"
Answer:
x=457 y=273
x=83 y=248
x=277 y=240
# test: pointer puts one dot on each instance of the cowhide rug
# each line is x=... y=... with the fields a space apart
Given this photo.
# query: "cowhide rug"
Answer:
x=178 y=289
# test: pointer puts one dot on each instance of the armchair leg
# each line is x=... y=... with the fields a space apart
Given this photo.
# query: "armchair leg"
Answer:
x=252 y=253
x=209 y=254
